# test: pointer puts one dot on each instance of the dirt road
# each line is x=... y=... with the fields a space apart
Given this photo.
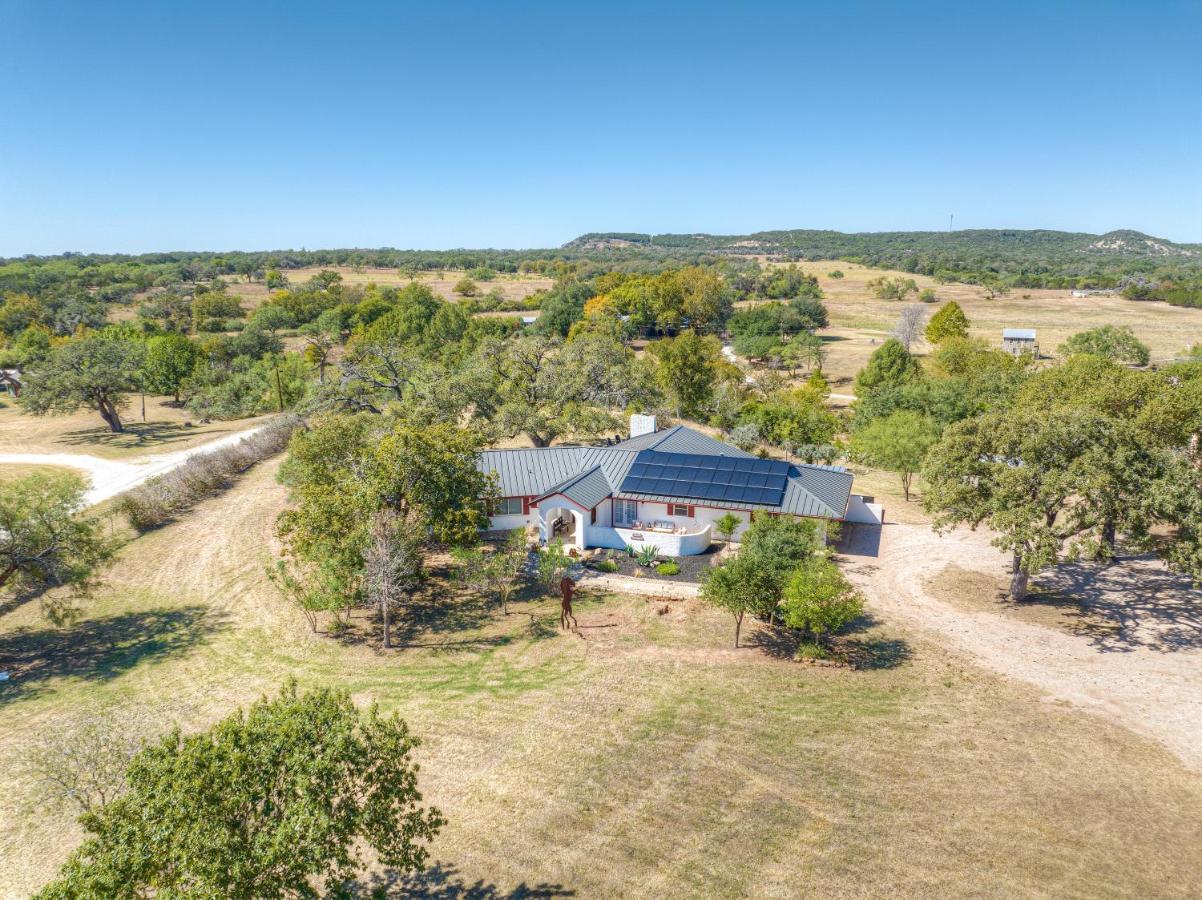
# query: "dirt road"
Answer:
x=1146 y=674
x=110 y=477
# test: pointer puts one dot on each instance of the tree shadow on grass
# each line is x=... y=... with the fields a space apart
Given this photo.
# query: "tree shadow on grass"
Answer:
x=136 y=435
x=442 y=881
x=99 y=649
x=853 y=647
x=864 y=649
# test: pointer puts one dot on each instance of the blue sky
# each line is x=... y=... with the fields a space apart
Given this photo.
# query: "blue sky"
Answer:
x=171 y=125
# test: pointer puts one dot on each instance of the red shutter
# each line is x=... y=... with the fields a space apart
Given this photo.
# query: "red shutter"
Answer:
x=692 y=511
x=593 y=515
x=525 y=506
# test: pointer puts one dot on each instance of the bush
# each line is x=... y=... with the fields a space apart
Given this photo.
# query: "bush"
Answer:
x=154 y=502
x=668 y=568
x=606 y=565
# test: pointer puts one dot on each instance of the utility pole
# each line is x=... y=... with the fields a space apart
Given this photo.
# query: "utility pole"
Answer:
x=950 y=219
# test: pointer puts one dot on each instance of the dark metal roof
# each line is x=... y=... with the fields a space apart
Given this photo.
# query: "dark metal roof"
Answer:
x=580 y=472
x=587 y=489
x=681 y=439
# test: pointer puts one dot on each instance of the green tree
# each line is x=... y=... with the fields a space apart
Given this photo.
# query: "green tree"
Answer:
x=732 y=588
x=46 y=543
x=948 y=322
x=1047 y=484
x=546 y=389
x=216 y=305
x=687 y=368
x=726 y=525
x=888 y=287
x=1109 y=342
x=344 y=470
x=96 y=370
x=465 y=287
x=890 y=364
x=792 y=417
x=262 y=805
x=819 y=600
x=898 y=443
x=170 y=359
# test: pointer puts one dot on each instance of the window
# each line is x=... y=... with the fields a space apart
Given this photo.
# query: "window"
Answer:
x=625 y=512
x=507 y=506
x=679 y=509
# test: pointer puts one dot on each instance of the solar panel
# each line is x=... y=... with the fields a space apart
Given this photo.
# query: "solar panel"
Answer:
x=703 y=477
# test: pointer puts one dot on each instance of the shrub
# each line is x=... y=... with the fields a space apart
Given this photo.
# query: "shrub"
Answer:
x=819 y=600
x=647 y=555
x=606 y=565
x=668 y=568
x=154 y=502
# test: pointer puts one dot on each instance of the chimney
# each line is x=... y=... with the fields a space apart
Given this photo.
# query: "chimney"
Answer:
x=642 y=425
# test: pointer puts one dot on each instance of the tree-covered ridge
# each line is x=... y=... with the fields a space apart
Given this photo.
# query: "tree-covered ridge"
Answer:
x=1028 y=258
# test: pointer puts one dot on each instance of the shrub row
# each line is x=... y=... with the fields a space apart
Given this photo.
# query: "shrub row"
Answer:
x=158 y=499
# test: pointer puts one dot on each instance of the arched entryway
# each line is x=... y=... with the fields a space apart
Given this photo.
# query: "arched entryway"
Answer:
x=562 y=521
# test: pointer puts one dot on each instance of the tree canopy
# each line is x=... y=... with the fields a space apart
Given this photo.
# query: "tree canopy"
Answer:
x=949 y=321
x=46 y=542
x=1117 y=343
x=266 y=802
x=95 y=370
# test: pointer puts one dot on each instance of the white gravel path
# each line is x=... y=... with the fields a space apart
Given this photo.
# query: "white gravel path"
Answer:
x=110 y=477
x=1150 y=680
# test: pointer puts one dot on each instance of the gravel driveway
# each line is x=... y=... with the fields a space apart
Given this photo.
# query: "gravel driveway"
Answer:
x=111 y=477
x=1145 y=681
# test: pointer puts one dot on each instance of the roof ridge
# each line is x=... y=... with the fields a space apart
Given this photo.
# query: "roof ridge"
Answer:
x=571 y=480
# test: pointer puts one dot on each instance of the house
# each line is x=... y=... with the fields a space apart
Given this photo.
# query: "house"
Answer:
x=1017 y=341
x=661 y=488
x=10 y=382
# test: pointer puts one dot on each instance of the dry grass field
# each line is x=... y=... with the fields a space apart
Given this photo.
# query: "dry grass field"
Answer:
x=514 y=287
x=860 y=321
x=167 y=427
x=11 y=472
x=640 y=758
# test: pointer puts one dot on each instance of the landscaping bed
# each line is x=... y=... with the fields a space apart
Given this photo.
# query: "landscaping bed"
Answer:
x=692 y=568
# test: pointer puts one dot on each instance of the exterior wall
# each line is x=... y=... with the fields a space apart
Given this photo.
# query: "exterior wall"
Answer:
x=863 y=511
x=668 y=544
x=1018 y=347
x=703 y=515
x=603 y=533
x=508 y=523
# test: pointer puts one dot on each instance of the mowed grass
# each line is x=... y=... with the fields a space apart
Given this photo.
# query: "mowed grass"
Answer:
x=14 y=471
x=644 y=757
x=166 y=427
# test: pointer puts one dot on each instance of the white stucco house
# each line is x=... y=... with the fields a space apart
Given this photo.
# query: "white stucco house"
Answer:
x=662 y=488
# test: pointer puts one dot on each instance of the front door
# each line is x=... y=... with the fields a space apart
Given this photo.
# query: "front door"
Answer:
x=625 y=512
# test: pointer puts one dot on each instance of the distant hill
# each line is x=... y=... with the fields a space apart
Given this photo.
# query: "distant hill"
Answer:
x=1033 y=257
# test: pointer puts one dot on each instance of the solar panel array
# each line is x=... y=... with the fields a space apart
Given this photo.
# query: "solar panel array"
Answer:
x=700 y=477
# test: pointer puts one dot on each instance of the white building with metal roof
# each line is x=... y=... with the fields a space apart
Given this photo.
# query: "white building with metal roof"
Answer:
x=657 y=488
x=1018 y=341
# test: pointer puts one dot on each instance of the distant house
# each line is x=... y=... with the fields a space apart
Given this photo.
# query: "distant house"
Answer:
x=656 y=488
x=529 y=320
x=10 y=382
x=1017 y=341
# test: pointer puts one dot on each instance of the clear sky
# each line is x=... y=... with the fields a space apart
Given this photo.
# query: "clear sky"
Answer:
x=215 y=125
